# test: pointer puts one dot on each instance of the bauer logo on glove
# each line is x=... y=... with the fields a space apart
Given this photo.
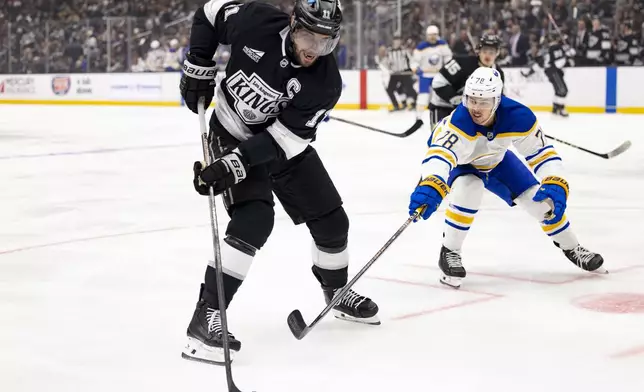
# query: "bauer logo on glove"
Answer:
x=222 y=174
x=554 y=191
x=427 y=196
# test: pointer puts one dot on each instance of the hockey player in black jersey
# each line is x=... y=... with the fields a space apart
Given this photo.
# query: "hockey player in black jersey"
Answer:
x=628 y=47
x=553 y=59
x=448 y=84
x=280 y=82
x=600 y=50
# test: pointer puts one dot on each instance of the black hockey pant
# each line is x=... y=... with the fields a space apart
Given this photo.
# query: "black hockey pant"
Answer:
x=403 y=83
x=555 y=76
x=437 y=113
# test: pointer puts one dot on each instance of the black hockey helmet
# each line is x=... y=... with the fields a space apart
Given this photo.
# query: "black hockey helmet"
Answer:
x=320 y=17
x=489 y=40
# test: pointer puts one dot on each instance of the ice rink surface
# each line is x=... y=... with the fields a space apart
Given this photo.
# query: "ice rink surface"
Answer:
x=104 y=243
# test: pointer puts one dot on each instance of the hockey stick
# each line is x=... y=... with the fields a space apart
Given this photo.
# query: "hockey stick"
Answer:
x=611 y=154
x=295 y=320
x=552 y=20
x=412 y=129
x=217 y=252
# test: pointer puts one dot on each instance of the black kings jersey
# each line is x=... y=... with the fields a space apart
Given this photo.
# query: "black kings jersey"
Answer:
x=264 y=91
x=554 y=57
x=628 y=50
x=600 y=46
x=450 y=80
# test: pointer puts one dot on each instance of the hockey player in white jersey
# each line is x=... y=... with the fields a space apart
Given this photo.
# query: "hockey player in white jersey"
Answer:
x=429 y=57
x=469 y=152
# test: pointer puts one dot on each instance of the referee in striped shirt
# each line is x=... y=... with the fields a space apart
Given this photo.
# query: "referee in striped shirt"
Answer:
x=398 y=64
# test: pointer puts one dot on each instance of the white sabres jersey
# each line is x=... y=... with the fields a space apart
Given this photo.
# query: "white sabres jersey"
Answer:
x=429 y=58
x=457 y=140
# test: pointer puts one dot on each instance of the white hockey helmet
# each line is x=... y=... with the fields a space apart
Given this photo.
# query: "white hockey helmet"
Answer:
x=483 y=89
x=431 y=30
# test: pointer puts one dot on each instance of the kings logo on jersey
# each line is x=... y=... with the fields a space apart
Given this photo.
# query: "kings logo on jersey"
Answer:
x=256 y=101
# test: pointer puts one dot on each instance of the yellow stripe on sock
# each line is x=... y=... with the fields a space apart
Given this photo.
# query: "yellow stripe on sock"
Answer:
x=466 y=220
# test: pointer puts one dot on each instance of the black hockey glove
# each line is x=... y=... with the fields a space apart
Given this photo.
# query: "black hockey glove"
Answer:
x=221 y=175
x=197 y=80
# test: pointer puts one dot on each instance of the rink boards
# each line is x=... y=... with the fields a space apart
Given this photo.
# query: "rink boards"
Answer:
x=591 y=90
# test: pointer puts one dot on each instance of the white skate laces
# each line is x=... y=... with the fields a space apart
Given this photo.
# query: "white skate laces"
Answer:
x=351 y=299
x=582 y=255
x=214 y=321
x=453 y=260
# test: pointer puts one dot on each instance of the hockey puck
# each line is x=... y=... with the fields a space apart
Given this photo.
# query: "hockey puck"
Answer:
x=612 y=302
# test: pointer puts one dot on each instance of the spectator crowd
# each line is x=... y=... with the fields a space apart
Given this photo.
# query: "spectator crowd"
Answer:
x=56 y=36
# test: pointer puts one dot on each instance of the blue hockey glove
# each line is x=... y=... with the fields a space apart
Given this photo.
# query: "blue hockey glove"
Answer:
x=556 y=189
x=429 y=193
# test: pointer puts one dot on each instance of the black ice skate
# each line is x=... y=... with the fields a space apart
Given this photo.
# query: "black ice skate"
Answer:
x=559 y=110
x=586 y=260
x=205 y=342
x=452 y=267
x=353 y=307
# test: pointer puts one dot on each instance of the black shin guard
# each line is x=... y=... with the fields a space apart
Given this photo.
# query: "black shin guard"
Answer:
x=331 y=278
x=251 y=224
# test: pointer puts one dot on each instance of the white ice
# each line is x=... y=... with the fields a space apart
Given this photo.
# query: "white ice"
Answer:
x=103 y=245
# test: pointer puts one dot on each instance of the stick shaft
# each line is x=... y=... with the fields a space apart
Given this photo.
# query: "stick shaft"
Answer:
x=338 y=297
x=216 y=249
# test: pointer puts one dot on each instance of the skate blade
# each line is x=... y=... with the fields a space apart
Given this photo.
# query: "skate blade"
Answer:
x=373 y=320
x=600 y=271
x=451 y=281
x=200 y=352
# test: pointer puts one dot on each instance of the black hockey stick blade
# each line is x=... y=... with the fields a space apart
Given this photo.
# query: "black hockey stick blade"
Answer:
x=232 y=387
x=295 y=320
x=417 y=125
x=611 y=154
x=297 y=324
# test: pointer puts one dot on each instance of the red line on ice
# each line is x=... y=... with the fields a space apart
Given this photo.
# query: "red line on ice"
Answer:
x=98 y=237
x=443 y=308
x=584 y=276
x=629 y=353
x=488 y=297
